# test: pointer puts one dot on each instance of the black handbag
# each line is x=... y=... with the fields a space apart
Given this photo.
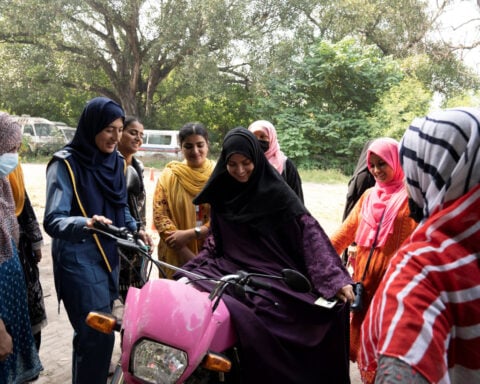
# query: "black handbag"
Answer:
x=358 y=287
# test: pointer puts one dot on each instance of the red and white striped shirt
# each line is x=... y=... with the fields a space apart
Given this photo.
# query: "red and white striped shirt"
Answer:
x=426 y=311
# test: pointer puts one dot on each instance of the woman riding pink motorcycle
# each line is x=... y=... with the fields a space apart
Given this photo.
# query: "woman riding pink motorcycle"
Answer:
x=259 y=225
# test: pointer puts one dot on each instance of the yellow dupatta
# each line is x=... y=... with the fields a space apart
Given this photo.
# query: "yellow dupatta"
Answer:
x=181 y=184
x=177 y=185
x=17 y=185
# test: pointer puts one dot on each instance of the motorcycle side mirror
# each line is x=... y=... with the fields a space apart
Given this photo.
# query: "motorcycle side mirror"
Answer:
x=296 y=281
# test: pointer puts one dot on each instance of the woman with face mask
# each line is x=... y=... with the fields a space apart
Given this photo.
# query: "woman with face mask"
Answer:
x=267 y=137
x=19 y=361
x=29 y=252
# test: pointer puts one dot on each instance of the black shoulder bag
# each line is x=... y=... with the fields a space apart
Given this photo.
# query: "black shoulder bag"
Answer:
x=358 y=287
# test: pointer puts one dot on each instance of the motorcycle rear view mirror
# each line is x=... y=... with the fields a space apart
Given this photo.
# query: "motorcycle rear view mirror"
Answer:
x=296 y=281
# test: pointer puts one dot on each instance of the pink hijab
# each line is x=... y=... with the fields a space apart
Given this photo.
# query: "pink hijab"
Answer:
x=383 y=197
x=274 y=155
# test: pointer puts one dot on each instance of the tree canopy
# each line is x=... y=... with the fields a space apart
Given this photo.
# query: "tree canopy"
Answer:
x=328 y=74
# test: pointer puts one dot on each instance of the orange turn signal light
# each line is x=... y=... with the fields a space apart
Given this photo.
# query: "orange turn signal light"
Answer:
x=216 y=362
x=103 y=322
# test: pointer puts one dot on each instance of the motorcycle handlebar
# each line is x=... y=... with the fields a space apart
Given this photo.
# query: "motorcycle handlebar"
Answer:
x=124 y=238
x=258 y=284
x=122 y=233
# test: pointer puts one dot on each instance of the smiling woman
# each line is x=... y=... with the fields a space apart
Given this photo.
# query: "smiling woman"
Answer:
x=182 y=226
x=107 y=139
x=240 y=167
x=132 y=139
x=85 y=184
x=260 y=225
x=378 y=223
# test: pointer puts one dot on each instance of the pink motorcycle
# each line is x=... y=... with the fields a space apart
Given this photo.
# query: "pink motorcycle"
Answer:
x=174 y=333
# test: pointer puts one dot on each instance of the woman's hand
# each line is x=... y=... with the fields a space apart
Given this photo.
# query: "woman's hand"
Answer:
x=6 y=343
x=352 y=255
x=146 y=238
x=178 y=239
x=101 y=219
x=346 y=294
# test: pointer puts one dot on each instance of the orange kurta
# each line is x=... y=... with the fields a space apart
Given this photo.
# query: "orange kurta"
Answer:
x=345 y=235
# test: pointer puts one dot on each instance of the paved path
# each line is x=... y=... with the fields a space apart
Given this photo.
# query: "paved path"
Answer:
x=325 y=202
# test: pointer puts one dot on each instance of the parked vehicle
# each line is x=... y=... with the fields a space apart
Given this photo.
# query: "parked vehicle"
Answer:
x=174 y=333
x=160 y=143
x=41 y=136
x=68 y=133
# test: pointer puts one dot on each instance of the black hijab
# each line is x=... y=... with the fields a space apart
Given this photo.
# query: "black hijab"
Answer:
x=263 y=202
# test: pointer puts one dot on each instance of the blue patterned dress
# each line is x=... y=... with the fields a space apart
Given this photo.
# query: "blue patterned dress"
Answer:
x=24 y=364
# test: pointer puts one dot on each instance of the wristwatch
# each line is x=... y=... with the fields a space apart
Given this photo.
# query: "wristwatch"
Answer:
x=198 y=232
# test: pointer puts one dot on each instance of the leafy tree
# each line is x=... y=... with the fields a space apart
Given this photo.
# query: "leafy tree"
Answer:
x=321 y=111
x=464 y=99
x=398 y=106
x=399 y=28
x=29 y=88
x=126 y=49
x=396 y=27
x=443 y=75
x=228 y=62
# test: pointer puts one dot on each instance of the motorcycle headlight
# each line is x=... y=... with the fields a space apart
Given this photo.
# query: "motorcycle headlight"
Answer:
x=157 y=363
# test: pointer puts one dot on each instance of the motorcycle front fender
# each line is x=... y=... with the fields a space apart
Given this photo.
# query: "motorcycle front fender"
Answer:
x=175 y=314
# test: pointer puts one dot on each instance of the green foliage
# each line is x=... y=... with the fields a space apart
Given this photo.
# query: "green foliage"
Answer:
x=33 y=89
x=328 y=74
x=329 y=176
x=464 y=99
x=395 y=27
x=321 y=111
x=398 y=107
x=441 y=72
x=346 y=75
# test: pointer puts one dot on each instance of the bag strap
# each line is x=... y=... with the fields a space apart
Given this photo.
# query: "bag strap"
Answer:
x=374 y=244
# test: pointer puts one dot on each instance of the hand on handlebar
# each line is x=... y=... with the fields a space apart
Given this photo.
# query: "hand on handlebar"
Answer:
x=97 y=218
x=146 y=238
x=346 y=294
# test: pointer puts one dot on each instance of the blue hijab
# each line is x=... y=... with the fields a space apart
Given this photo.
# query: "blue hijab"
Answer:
x=99 y=177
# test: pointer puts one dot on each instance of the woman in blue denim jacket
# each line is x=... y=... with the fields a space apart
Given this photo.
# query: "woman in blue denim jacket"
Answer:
x=86 y=183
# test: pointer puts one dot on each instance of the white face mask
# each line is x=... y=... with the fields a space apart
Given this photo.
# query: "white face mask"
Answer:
x=8 y=162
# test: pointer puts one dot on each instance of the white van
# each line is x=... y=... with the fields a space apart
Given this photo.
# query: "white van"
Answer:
x=41 y=135
x=164 y=144
x=67 y=132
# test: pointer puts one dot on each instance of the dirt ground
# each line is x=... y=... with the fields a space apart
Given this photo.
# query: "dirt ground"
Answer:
x=325 y=202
